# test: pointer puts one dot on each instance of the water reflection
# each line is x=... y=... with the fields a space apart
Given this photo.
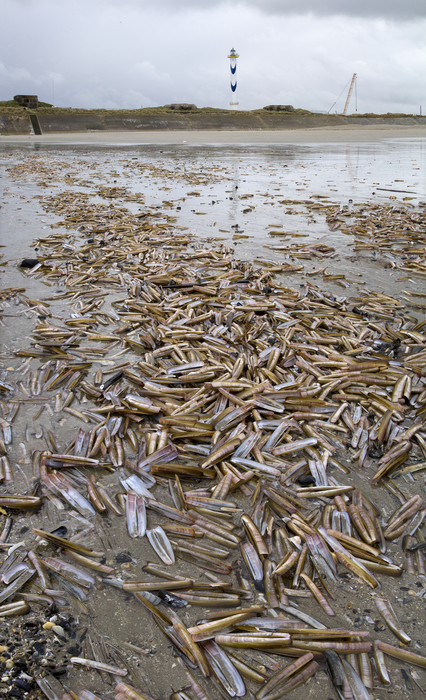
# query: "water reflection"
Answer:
x=222 y=190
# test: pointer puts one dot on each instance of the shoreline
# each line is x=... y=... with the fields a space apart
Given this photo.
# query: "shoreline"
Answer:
x=348 y=133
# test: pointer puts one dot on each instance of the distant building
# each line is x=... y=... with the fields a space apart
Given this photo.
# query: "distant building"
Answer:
x=280 y=108
x=27 y=101
x=182 y=107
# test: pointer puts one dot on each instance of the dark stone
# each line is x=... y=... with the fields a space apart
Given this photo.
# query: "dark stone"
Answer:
x=83 y=635
x=29 y=262
x=15 y=693
x=375 y=452
x=306 y=479
x=59 y=671
x=22 y=665
x=22 y=684
x=74 y=649
x=123 y=558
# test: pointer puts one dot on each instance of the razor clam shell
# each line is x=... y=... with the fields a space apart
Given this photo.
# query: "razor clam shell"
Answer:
x=69 y=570
x=16 y=584
x=222 y=664
x=161 y=544
x=132 y=515
x=18 y=607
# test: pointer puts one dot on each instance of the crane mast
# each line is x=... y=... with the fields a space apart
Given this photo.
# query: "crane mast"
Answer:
x=351 y=87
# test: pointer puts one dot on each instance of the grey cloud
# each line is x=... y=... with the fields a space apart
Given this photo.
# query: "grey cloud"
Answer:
x=14 y=74
x=386 y=9
x=357 y=8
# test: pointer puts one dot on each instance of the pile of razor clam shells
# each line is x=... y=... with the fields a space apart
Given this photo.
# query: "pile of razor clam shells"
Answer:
x=250 y=434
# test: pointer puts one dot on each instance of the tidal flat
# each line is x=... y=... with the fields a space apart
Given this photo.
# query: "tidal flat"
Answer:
x=213 y=392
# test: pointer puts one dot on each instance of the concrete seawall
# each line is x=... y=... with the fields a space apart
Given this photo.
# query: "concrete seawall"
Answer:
x=25 y=124
x=111 y=121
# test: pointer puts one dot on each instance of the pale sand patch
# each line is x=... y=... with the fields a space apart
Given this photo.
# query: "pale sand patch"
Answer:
x=350 y=133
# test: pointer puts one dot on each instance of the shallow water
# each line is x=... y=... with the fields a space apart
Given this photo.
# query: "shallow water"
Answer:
x=218 y=191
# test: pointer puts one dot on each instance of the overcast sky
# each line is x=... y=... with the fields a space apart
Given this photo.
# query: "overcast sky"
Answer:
x=133 y=53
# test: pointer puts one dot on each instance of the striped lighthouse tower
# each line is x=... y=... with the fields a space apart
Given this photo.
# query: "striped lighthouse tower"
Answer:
x=233 y=66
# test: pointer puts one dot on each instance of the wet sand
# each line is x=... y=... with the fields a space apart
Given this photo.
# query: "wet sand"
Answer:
x=350 y=133
x=115 y=616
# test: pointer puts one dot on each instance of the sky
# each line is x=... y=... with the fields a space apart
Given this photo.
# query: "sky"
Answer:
x=127 y=54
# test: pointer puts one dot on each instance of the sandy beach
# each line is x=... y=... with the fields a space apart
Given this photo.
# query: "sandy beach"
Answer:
x=180 y=276
x=350 y=133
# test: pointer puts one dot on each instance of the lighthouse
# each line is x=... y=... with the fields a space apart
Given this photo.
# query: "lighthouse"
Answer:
x=233 y=67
